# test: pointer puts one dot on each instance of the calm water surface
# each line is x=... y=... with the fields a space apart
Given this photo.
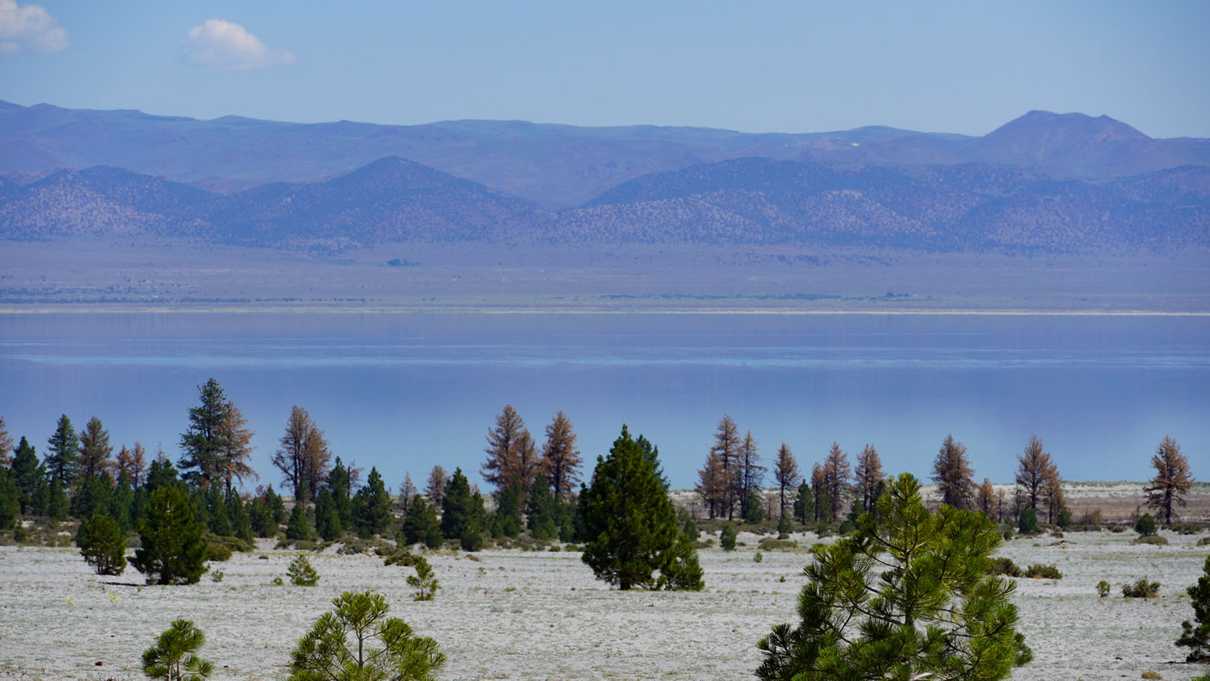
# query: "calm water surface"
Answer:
x=406 y=391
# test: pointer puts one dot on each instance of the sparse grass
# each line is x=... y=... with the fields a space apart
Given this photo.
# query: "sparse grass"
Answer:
x=771 y=544
x=1152 y=539
x=1005 y=567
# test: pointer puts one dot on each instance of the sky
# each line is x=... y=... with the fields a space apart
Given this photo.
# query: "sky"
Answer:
x=962 y=67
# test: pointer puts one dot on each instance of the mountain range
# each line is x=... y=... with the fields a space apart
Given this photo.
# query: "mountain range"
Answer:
x=1043 y=182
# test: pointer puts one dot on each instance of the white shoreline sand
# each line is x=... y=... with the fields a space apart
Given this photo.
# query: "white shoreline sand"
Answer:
x=541 y=615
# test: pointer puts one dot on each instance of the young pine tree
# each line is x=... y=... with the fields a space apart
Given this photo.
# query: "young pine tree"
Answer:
x=1196 y=634
x=631 y=524
x=327 y=518
x=424 y=581
x=358 y=641
x=63 y=453
x=172 y=550
x=421 y=525
x=935 y=612
x=174 y=656
x=27 y=475
x=542 y=514
x=300 y=527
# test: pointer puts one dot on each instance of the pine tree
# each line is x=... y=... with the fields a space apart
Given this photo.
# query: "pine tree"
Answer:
x=749 y=477
x=372 y=507
x=936 y=611
x=103 y=544
x=93 y=494
x=869 y=477
x=131 y=463
x=631 y=524
x=787 y=476
x=94 y=449
x=424 y=581
x=713 y=484
x=1172 y=479
x=953 y=475
x=172 y=550
x=10 y=501
x=1034 y=468
x=358 y=641
x=421 y=525
x=836 y=481
x=543 y=510
x=26 y=475
x=512 y=458
x=506 y=521
x=215 y=504
x=340 y=482
x=63 y=453
x=174 y=656
x=327 y=518
x=237 y=514
x=303 y=455
x=821 y=505
x=299 y=528
x=6 y=445
x=804 y=503
x=57 y=504
x=202 y=443
x=407 y=493
x=436 y=486
x=1053 y=497
x=1196 y=635
x=301 y=572
x=456 y=508
x=235 y=447
x=985 y=500
x=161 y=473
x=560 y=458
x=726 y=447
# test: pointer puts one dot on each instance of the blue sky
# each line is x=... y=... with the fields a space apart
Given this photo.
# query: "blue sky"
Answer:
x=791 y=66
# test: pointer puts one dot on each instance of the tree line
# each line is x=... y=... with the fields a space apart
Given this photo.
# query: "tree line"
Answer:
x=730 y=484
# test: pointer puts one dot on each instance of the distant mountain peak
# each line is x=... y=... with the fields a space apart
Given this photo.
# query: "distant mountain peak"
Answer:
x=1038 y=123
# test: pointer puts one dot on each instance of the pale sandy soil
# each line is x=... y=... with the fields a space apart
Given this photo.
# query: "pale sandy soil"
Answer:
x=518 y=615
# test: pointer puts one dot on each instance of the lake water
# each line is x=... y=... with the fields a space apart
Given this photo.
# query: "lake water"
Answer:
x=404 y=392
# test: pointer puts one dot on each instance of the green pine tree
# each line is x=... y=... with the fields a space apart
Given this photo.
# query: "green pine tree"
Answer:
x=10 y=501
x=26 y=475
x=340 y=482
x=174 y=656
x=103 y=544
x=237 y=514
x=631 y=524
x=1195 y=635
x=372 y=507
x=327 y=516
x=456 y=508
x=358 y=641
x=121 y=503
x=506 y=520
x=160 y=473
x=57 y=504
x=543 y=510
x=910 y=594
x=92 y=495
x=172 y=549
x=421 y=525
x=63 y=453
x=300 y=528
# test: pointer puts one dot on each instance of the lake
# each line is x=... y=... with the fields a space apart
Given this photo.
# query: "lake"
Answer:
x=405 y=391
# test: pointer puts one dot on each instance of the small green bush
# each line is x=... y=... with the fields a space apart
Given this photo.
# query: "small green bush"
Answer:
x=726 y=538
x=301 y=573
x=1141 y=589
x=217 y=576
x=174 y=656
x=1145 y=525
x=1103 y=588
x=1027 y=522
x=1039 y=571
x=1204 y=541
x=277 y=581
x=217 y=553
x=771 y=544
x=758 y=557
x=1005 y=567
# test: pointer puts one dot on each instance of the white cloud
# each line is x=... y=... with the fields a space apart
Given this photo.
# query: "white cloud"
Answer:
x=29 y=27
x=227 y=45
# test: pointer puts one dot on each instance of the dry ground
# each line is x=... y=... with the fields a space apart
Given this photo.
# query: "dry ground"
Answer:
x=524 y=615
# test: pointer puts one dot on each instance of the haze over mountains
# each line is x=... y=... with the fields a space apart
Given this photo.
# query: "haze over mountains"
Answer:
x=1041 y=183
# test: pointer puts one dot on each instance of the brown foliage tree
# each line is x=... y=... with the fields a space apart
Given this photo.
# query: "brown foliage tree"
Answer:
x=785 y=471
x=132 y=463
x=6 y=445
x=837 y=473
x=235 y=447
x=1034 y=467
x=407 y=493
x=1052 y=496
x=303 y=455
x=869 y=477
x=560 y=458
x=512 y=459
x=953 y=475
x=712 y=485
x=435 y=490
x=727 y=447
x=819 y=493
x=985 y=500
x=94 y=449
x=1172 y=479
